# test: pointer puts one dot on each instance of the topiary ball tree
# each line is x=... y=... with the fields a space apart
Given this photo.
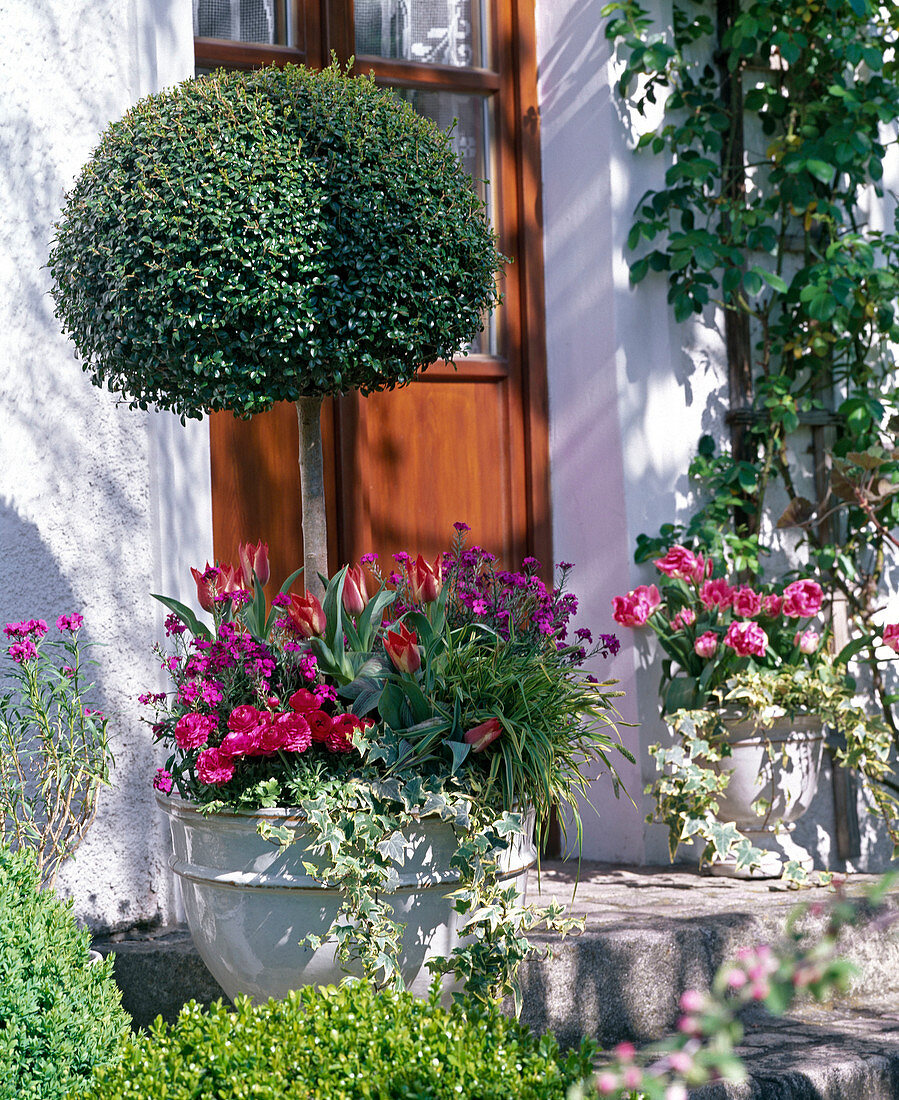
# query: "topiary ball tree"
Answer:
x=278 y=235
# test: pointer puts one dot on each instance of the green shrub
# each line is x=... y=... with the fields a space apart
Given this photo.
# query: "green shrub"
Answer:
x=59 y=1016
x=260 y=236
x=345 y=1043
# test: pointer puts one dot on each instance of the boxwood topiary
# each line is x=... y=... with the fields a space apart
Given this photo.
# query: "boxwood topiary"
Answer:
x=344 y=1043
x=284 y=234
x=59 y=1016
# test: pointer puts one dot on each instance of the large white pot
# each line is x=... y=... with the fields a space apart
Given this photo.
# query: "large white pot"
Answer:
x=249 y=904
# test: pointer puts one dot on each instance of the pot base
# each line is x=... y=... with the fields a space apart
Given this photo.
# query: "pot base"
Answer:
x=779 y=849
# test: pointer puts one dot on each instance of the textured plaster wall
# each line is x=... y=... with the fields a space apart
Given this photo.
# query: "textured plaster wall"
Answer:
x=631 y=392
x=98 y=505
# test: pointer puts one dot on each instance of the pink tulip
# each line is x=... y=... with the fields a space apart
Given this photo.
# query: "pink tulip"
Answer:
x=402 y=648
x=706 y=644
x=890 y=636
x=747 y=603
x=306 y=615
x=717 y=593
x=355 y=594
x=206 y=585
x=807 y=640
x=802 y=599
x=479 y=737
x=425 y=581
x=254 y=559
x=636 y=607
x=681 y=563
x=747 y=639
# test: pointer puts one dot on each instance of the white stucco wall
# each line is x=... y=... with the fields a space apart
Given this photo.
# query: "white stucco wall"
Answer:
x=99 y=506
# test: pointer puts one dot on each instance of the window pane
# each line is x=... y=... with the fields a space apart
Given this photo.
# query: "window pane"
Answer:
x=243 y=20
x=441 y=32
x=468 y=120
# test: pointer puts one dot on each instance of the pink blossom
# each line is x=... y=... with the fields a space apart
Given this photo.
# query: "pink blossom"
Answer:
x=319 y=725
x=636 y=607
x=632 y=1077
x=243 y=719
x=772 y=606
x=736 y=978
x=214 y=767
x=606 y=1083
x=685 y=617
x=162 y=781
x=240 y=743
x=193 y=730
x=691 y=1000
x=747 y=603
x=269 y=736
x=682 y=564
x=890 y=636
x=676 y=1092
x=706 y=644
x=807 y=640
x=625 y=1052
x=340 y=737
x=303 y=701
x=680 y=1061
x=295 y=730
x=70 y=622
x=716 y=593
x=802 y=599
x=23 y=651
x=747 y=638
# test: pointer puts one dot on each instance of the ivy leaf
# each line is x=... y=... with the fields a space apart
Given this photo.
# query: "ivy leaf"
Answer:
x=797 y=513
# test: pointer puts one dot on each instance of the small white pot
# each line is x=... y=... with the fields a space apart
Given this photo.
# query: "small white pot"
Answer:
x=249 y=904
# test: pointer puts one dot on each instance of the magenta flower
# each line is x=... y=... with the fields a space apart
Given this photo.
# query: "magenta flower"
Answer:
x=807 y=640
x=706 y=644
x=193 y=730
x=72 y=622
x=747 y=639
x=681 y=564
x=802 y=599
x=23 y=651
x=890 y=636
x=772 y=606
x=636 y=607
x=340 y=737
x=162 y=781
x=716 y=593
x=214 y=767
x=685 y=617
x=747 y=603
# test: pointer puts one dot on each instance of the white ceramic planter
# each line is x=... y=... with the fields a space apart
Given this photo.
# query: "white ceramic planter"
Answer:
x=249 y=904
x=780 y=765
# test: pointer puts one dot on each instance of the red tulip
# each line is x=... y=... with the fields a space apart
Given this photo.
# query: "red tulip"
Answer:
x=355 y=594
x=230 y=579
x=402 y=648
x=254 y=558
x=306 y=615
x=481 y=736
x=206 y=585
x=425 y=581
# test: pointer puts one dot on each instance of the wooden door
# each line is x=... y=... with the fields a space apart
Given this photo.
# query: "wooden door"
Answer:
x=468 y=443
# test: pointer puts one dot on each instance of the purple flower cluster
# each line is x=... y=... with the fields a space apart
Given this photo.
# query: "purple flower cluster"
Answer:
x=36 y=627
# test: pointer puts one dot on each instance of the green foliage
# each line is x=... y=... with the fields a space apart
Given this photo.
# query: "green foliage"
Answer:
x=345 y=1043
x=251 y=237
x=54 y=750
x=59 y=1016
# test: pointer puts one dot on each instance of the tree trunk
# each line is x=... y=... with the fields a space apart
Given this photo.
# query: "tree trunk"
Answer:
x=312 y=493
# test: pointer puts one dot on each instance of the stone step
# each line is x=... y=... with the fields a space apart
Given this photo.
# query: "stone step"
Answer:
x=651 y=933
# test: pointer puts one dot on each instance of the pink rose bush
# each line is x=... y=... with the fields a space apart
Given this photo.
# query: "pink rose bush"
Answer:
x=711 y=629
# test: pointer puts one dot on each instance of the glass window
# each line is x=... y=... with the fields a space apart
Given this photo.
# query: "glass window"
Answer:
x=438 y=32
x=265 y=21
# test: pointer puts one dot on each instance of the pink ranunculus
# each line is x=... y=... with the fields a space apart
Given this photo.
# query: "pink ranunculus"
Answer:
x=270 y=736
x=340 y=737
x=636 y=607
x=747 y=603
x=772 y=606
x=685 y=617
x=681 y=563
x=319 y=725
x=802 y=599
x=479 y=737
x=716 y=593
x=214 y=767
x=706 y=644
x=747 y=639
x=192 y=730
x=807 y=640
x=890 y=636
x=240 y=743
x=295 y=731
x=303 y=701
x=243 y=719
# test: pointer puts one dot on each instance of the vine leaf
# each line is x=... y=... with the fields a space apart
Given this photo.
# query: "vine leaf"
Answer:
x=797 y=513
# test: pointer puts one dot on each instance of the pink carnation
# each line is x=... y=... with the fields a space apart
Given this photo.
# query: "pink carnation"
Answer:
x=890 y=636
x=706 y=644
x=636 y=607
x=717 y=593
x=681 y=564
x=214 y=767
x=747 y=638
x=802 y=599
x=747 y=603
x=193 y=730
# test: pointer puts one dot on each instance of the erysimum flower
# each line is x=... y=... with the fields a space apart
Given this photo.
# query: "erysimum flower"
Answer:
x=636 y=607
x=683 y=564
x=802 y=599
x=747 y=639
x=162 y=781
x=717 y=593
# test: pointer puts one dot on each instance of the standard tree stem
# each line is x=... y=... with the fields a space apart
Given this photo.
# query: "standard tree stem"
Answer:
x=312 y=493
